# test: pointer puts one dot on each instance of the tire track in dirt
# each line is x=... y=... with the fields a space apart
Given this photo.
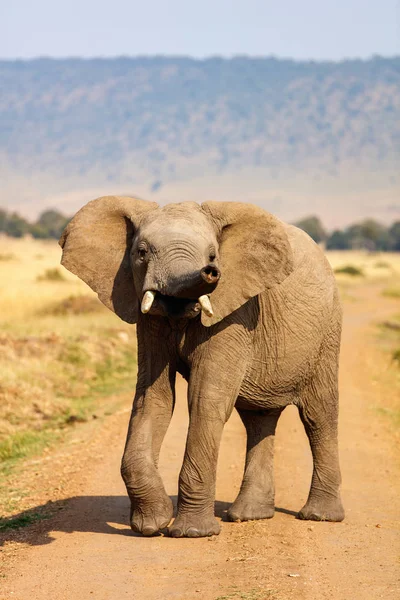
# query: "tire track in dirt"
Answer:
x=88 y=551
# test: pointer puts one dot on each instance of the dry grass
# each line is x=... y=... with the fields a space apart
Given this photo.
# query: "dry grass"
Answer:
x=354 y=268
x=392 y=291
x=374 y=266
x=383 y=272
x=60 y=349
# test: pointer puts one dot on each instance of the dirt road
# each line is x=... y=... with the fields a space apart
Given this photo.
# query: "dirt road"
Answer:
x=87 y=550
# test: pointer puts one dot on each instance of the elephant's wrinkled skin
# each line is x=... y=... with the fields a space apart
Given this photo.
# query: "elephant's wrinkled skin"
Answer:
x=273 y=340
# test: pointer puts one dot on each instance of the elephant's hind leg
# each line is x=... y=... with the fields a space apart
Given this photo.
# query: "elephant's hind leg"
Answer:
x=318 y=409
x=257 y=492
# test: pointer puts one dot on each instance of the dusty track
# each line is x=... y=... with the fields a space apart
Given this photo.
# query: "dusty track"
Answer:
x=87 y=550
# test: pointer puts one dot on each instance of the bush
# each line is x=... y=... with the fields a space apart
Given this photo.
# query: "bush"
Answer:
x=74 y=305
x=50 y=224
x=350 y=270
x=314 y=228
x=394 y=236
x=396 y=356
x=338 y=240
x=367 y=235
x=51 y=275
x=14 y=225
x=7 y=257
x=392 y=292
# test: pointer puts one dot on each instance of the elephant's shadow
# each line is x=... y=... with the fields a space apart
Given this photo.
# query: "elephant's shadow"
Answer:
x=94 y=514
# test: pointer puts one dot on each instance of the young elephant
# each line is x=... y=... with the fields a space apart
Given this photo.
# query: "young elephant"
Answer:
x=246 y=308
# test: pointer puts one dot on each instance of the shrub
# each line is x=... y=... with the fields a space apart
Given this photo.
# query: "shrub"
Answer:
x=74 y=305
x=396 y=356
x=382 y=264
x=51 y=275
x=392 y=292
x=6 y=257
x=313 y=226
x=350 y=270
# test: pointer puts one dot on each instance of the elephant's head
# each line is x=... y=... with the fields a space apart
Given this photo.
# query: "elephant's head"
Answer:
x=178 y=260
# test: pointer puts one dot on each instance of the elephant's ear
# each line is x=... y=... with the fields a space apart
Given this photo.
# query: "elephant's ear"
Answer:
x=96 y=247
x=254 y=254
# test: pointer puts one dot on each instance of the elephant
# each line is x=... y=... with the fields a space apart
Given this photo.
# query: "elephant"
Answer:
x=246 y=309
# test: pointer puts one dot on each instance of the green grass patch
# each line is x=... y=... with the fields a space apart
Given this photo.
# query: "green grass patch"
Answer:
x=351 y=270
x=24 y=443
x=23 y=520
x=74 y=354
x=115 y=372
x=49 y=384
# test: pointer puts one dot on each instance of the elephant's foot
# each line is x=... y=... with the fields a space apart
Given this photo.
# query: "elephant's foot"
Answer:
x=322 y=510
x=148 y=518
x=192 y=525
x=248 y=507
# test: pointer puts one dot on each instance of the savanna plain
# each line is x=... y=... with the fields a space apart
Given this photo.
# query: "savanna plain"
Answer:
x=67 y=378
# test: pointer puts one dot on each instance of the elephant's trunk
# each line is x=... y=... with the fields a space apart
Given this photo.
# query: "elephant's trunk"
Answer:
x=195 y=284
x=179 y=293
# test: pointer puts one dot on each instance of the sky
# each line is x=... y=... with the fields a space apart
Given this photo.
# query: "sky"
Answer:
x=300 y=29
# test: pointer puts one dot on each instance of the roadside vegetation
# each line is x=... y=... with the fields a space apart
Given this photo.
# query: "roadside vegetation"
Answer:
x=360 y=266
x=63 y=354
x=381 y=271
x=389 y=340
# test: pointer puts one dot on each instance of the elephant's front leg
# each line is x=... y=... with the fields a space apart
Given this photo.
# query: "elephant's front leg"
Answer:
x=211 y=399
x=151 y=507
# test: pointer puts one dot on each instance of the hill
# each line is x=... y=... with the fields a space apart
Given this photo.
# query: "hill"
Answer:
x=296 y=137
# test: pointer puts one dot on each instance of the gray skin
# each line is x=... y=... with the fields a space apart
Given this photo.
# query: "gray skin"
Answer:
x=273 y=341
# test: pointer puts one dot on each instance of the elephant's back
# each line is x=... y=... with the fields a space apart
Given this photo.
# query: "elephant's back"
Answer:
x=307 y=253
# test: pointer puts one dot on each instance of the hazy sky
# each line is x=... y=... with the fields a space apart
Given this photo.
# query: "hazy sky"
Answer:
x=292 y=28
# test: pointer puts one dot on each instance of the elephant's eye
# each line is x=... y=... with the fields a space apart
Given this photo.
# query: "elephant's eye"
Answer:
x=212 y=255
x=142 y=251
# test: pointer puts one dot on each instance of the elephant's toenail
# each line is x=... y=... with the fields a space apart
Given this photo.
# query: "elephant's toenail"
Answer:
x=148 y=531
x=193 y=532
x=175 y=533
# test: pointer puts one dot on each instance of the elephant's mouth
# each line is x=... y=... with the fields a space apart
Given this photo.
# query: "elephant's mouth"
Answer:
x=171 y=306
x=175 y=307
x=178 y=307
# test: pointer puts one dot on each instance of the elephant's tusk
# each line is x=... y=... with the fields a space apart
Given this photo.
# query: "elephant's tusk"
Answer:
x=206 y=305
x=147 y=301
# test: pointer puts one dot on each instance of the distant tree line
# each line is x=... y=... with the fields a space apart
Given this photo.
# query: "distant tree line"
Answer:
x=366 y=235
x=50 y=224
